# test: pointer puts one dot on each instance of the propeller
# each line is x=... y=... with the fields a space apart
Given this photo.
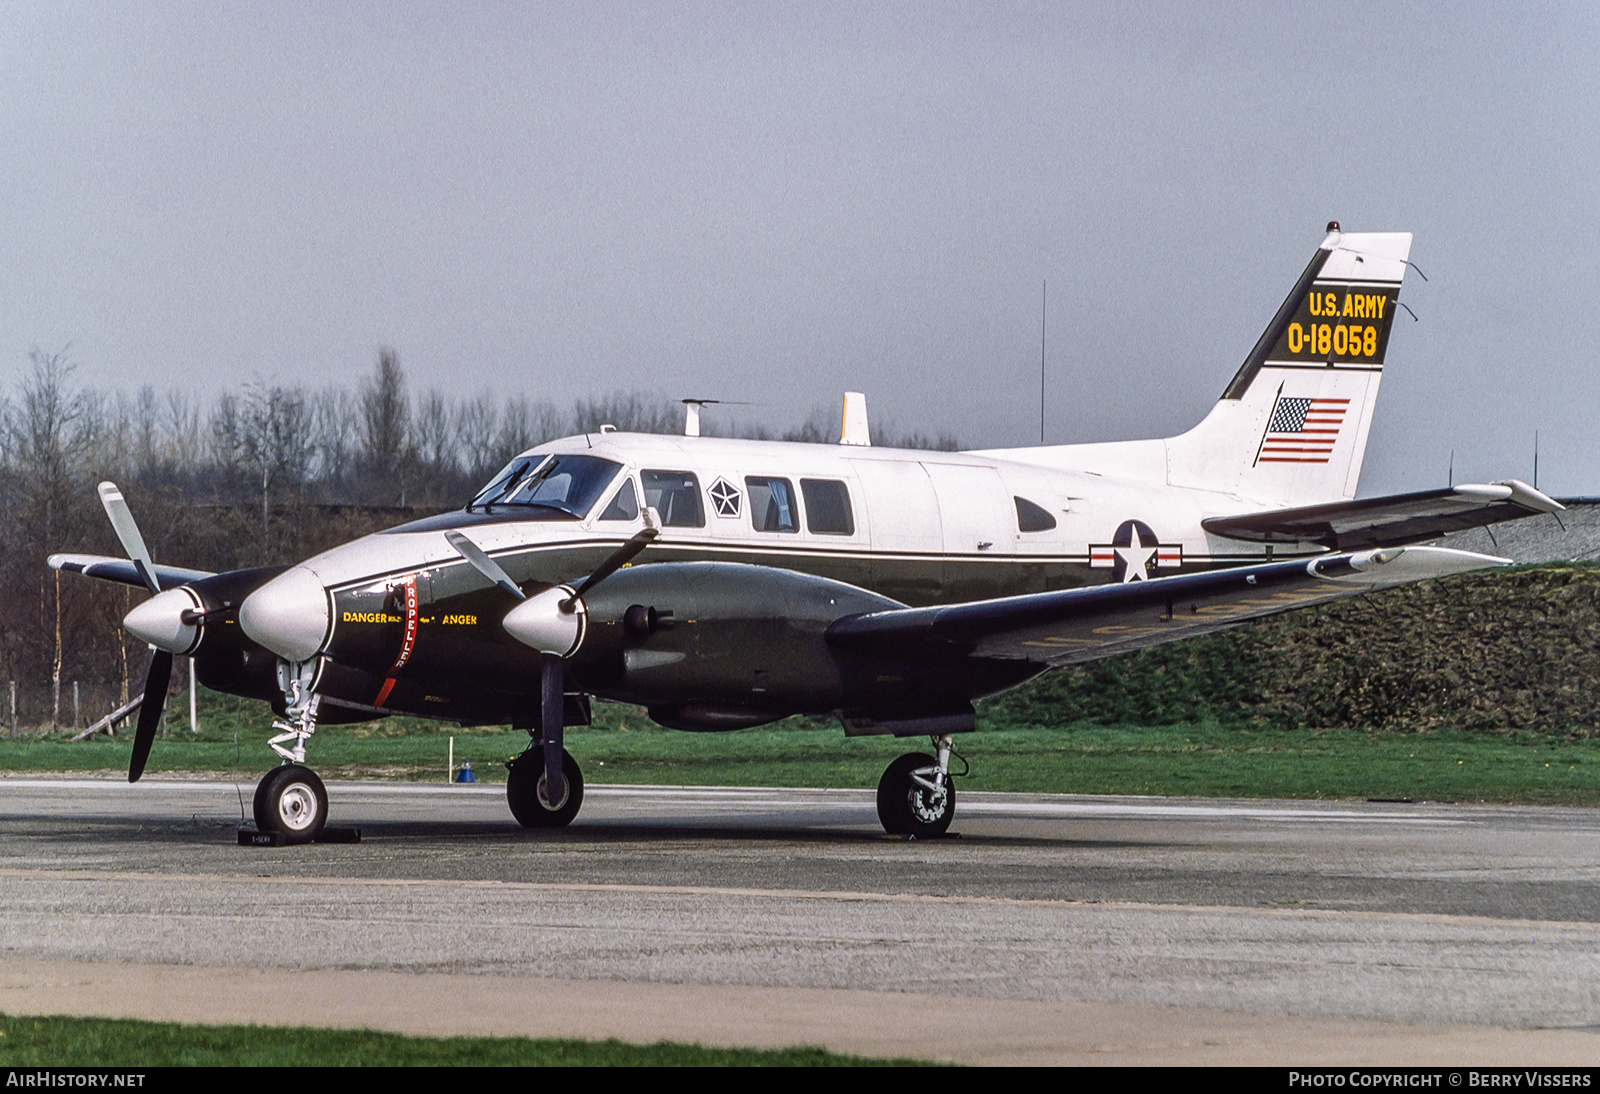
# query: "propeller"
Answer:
x=160 y=674
x=127 y=530
x=155 y=701
x=553 y=622
x=618 y=559
x=485 y=565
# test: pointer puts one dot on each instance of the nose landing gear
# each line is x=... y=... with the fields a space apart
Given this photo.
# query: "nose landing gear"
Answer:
x=291 y=804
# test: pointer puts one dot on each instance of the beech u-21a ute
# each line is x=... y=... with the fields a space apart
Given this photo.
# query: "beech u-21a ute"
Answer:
x=723 y=584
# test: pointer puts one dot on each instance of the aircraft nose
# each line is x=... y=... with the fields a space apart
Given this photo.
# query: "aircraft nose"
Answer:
x=159 y=621
x=289 y=615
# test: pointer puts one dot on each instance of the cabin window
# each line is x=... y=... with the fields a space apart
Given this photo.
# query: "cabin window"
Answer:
x=828 y=507
x=772 y=507
x=1033 y=518
x=676 y=496
x=561 y=486
x=625 y=506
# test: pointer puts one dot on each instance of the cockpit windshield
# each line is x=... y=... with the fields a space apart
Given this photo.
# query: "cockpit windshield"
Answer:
x=564 y=486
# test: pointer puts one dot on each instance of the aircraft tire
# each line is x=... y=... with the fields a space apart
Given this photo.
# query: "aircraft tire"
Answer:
x=906 y=809
x=523 y=779
x=291 y=800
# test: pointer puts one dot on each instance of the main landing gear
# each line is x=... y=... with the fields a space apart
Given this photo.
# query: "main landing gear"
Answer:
x=916 y=796
x=544 y=786
x=528 y=790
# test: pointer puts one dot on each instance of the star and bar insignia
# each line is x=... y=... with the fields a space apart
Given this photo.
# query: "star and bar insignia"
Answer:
x=1135 y=553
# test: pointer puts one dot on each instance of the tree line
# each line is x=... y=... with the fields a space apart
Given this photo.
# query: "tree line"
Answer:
x=261 y=474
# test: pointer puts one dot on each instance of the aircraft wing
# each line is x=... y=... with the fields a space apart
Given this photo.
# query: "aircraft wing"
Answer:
x=108 y=568
x=1086 y=624
x=1390 y=521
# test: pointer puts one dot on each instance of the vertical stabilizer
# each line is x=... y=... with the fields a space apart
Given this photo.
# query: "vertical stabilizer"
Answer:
x=1291 y=427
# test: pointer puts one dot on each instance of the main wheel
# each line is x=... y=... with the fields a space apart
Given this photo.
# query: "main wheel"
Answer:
x=291 y=799
x=906 y=807
x=526 y=786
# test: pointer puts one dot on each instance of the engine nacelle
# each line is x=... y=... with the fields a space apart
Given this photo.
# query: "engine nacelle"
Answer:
x=718 y=645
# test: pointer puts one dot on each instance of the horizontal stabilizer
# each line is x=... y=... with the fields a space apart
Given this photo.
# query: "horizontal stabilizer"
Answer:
x=120 y=569
x=1086 y=624
x=1390 y=521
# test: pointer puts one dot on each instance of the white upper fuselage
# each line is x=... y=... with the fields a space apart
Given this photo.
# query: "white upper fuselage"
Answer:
x=908 y=509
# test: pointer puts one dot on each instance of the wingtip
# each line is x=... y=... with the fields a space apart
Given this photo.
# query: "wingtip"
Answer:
x=1529 y=496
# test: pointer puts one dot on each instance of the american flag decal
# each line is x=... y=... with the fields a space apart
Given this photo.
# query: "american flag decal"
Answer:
x=1302 y=430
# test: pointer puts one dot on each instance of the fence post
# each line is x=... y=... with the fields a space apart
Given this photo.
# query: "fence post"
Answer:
x=75 y=723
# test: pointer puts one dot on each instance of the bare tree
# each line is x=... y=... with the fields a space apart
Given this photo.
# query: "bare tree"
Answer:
x=525 y=422
x=332 y=412
x=386 y=448
x=435 y=427
x=275 y=438
x=477 y=425
x=630 y=412
x=184 y=440
x=44 y=433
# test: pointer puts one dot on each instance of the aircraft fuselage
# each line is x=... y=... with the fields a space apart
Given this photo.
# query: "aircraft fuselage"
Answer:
x=762 y=545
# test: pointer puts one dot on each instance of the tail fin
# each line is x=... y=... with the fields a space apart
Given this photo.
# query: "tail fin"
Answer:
x=1292 y=426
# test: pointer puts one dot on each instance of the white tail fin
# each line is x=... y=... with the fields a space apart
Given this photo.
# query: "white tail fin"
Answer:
x=1292 y=426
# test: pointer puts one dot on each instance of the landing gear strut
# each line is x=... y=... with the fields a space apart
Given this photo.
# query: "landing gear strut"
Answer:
x=290 y=799
x=544 y=785
x=916 y=796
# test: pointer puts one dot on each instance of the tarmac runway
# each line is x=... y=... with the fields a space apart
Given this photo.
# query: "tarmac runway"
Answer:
x=1055 y=929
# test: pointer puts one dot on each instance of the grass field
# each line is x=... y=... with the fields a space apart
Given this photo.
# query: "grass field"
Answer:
x=1203 y=760
x=126 y=1043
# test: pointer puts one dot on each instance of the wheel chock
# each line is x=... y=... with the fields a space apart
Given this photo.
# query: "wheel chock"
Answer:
x=249 y=837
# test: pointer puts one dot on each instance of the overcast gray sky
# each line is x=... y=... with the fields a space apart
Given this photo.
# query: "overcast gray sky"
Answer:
x=778 y=202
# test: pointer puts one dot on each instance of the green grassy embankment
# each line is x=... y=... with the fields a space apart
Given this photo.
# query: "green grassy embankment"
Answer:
x=131 y=1044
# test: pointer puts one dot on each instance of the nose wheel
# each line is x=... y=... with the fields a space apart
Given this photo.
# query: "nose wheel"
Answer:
x=292 y=801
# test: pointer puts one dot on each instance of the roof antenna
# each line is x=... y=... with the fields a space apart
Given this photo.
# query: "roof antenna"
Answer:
x=1044 y=299
x=1452 y=480
x=853 y=430
x=691 y=415
x=1536 y=459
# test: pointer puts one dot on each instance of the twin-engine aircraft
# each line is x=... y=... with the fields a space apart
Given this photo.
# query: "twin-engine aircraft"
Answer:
x=722 y=584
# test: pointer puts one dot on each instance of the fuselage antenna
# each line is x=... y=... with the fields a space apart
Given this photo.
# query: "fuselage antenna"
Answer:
x=1044 y=300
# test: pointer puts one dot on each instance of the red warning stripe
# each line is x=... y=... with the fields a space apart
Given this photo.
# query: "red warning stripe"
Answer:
x=407 y=643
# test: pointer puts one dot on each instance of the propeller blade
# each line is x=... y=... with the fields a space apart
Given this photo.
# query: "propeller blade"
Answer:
x=483 y=563
x=619 y=558
x=127 y=530
x=155 y=701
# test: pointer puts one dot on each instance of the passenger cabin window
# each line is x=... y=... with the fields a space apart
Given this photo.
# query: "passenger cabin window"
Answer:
x=625 y=506
x=557 y=487
x=676 y=496
x=772 y=507
x=827 y=507
x=1032 y=518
